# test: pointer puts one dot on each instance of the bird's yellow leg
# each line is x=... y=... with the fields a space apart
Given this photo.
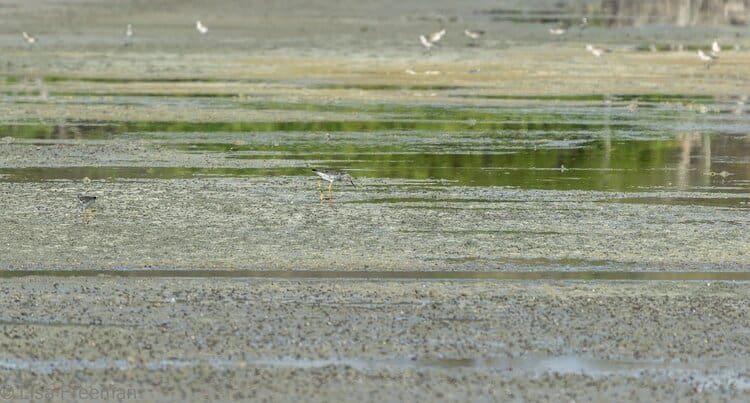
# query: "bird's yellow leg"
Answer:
x=330 y=192
x=87 y=215
x=320 y=186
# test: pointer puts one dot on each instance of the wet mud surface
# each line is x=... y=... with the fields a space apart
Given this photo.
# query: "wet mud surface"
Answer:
x=379 y=339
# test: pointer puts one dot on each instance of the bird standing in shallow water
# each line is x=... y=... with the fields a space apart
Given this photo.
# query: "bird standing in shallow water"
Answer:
x=715 y=48
x=557 y=31
x=473 y=34
x=708 y=58
x=28 y=38
x=128 y=34
x=330 y=177
x=426 y=43
x=598 y=52
x=435 y=37
x=200 y=27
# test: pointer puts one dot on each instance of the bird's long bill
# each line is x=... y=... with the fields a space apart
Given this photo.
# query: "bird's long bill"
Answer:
x=352 y=182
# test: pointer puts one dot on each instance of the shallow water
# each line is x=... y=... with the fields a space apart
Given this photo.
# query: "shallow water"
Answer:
x=719 y=375
x=625 y=143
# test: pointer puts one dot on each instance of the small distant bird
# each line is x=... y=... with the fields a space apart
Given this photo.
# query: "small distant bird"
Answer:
x=715 y=48
x=706 y=57
x=87 y=204
x=584 y=23
x=432 y=39
x=557 y=31
x=86 y=201
x=29 y=39
x=426 y=42
x=474 y=35
x=435 y=37
x=200 y=27
x=128 y=34
x=709 y=59
x=330 y=177
x=598 y=52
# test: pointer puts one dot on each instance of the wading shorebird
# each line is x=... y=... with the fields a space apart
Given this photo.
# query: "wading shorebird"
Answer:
x=426 y=43
x=330 y=177
x=435 y=37
x=709 y=59
x=715 y=48
x=87 y=206
x=584 y=23
x=200 y=27
x=598 y=52
x=29 y=39
x=557 y=31
x=473 y=34
x=432 y=39
x=128 y=34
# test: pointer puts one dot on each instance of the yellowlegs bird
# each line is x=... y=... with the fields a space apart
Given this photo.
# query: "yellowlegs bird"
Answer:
x=86 y=201
x=29 y=39
x=330 y=177
x=87 y=206
x=200 y=27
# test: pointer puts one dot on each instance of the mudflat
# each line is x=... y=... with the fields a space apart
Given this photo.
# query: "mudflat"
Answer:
x=322 y=340
x=212 y=264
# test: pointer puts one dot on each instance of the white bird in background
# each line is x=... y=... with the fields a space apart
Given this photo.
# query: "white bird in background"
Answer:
x=710 y=58
x=200 y=27
x=29 y=39
x=473 y=34
x=598 y=52
x=704 y=57
x=425 y=42
x=715 y=48
x=435 y=37
x=556 y=31
x=129 y=31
